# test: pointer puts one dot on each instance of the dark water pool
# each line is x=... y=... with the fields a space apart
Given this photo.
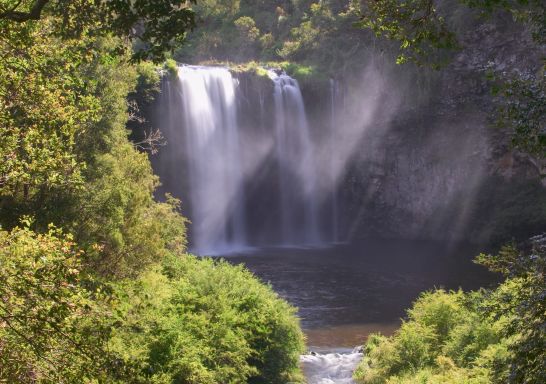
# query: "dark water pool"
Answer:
x=345 y=292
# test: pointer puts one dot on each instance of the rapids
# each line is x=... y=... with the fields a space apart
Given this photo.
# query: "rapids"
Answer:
x=331 y=367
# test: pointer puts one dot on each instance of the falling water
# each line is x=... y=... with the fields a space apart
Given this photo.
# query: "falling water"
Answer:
x=297 y=168
x=212 y=143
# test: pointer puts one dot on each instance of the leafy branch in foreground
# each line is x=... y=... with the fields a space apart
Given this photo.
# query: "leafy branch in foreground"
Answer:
x=415 y=24
x=52 y=329
x=157 y=25
x=521 y=299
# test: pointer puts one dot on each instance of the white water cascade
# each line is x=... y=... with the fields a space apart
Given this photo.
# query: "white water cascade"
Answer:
x=333 y=367
x=212 y=143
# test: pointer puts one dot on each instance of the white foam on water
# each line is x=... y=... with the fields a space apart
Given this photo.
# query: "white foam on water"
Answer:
x=335 y=367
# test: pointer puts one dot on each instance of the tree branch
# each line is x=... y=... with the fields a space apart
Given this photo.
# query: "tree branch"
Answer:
x=34 y=14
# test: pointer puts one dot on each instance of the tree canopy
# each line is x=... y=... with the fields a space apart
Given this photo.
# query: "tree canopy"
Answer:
x=157 y=26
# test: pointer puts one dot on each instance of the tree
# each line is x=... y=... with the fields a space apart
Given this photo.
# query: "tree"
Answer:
x=248 y=35
x=44 y=105
x=158 y=25
x=68 y=160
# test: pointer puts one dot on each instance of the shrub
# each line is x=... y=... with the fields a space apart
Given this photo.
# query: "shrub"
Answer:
x=200 y=321
x=408 y=350
x=171 y=67
x=444 y=340
x=468 y=339
x=521 y=301
x=439 y=310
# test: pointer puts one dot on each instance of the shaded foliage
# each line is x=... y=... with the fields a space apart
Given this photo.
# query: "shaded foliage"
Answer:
x=415 y=24
x=523 y=111
x=522 y=301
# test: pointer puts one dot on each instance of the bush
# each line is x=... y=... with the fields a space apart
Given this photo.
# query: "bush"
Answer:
x=200 y=321
x=408 y=350
x=469 y=338
x=120 y=225
x=171 y=67
x=495 y=336
x=520 y=302
x=440 y=311
x=444 y=340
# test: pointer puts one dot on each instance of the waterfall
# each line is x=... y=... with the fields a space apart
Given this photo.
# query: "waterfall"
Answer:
x=297 y=172
x=217 y=149
x=216 y=190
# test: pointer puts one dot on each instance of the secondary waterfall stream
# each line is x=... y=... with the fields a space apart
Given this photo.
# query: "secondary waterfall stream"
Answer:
x=297 y=184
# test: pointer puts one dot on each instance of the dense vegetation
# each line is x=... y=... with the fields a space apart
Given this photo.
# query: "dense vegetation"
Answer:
x=95 y=284
x=197 y=321
x=320 y=33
